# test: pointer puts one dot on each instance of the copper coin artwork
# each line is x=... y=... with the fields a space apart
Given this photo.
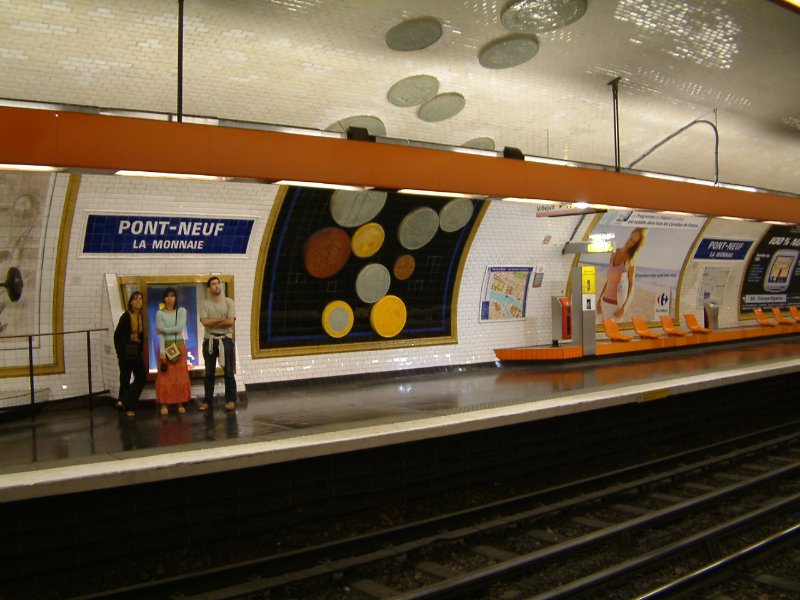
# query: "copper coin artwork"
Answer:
x=326 y=252
x=404 y=267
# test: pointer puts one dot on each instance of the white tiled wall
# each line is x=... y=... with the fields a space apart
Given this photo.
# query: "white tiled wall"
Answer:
x=729 y=304
x=510 y=235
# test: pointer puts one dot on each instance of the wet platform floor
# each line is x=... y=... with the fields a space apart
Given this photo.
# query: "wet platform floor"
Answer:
x=73 y=436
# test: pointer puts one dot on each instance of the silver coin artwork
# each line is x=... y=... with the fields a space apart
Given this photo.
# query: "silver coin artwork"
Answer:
x=413 y=91
x=480 y=143
x=540 y=16
x=509 y=51
x=414 y=34
x=339 y=319
x=352 y=209
x=443 y=106
x=372 y=283
x=418 y=228
x=455 y=214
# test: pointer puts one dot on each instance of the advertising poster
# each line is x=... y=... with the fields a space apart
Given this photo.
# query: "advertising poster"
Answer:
x=188 y=299
x=651 y=248
x=772 y=277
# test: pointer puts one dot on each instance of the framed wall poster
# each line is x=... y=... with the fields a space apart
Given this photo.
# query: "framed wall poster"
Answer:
x=191 y=291
x=347 y=270
x=505 y=293
x=36 y=211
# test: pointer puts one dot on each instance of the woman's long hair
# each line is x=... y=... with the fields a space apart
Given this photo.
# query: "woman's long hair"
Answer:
x=166 y=293
x=638 y=246
x=132 y=298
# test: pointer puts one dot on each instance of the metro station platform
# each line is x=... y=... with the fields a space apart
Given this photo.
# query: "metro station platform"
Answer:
x=65 y=450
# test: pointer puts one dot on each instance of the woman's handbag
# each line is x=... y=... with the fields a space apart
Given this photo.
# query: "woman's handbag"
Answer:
x=172 y=352
x=132 y=351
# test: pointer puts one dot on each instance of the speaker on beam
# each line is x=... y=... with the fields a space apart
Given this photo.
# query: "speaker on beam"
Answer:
x=511 y=152
x=360 y=134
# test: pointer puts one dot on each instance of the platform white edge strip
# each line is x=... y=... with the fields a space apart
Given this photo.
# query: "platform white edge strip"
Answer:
x=119 y=470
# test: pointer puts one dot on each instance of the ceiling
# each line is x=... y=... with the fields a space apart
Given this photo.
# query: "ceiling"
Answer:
x=454 y=72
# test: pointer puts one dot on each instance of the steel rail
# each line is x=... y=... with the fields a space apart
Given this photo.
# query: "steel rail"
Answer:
x=403 y=538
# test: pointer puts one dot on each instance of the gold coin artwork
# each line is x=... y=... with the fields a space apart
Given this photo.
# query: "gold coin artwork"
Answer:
x=388 y=316
x=337 y=319
x=367 y=240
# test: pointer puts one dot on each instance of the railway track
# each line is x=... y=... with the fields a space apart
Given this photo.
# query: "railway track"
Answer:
x=627 y=533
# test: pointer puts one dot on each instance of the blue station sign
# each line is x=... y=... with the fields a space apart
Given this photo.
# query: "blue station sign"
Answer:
x=711 y=249
x=114 y=234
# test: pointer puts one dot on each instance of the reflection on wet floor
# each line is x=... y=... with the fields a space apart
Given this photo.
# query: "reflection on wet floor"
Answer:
x=69 y=435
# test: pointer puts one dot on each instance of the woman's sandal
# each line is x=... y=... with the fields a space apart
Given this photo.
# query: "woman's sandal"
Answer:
x=164 y=411
x=181 y=410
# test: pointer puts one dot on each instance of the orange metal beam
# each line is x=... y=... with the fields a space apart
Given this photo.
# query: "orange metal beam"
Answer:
x=87 y=142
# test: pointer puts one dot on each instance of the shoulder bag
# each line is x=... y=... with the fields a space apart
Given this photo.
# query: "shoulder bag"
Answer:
x=171 y=350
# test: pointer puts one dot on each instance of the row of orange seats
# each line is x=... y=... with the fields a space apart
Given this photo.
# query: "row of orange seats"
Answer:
x=780 y=319
x=643 y=331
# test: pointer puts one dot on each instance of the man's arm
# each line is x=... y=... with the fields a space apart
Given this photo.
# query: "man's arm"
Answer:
x=211 y=323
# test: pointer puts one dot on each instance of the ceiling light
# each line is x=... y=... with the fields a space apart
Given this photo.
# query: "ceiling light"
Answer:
x=326 y=186
x=677 y=178
x=743 y=188
x=610 y=207
x=551 y=161
x=435 y=193
x=531 y=201
x=39 y=168
x=127 y=173
x=587 y=246
x=538 y=16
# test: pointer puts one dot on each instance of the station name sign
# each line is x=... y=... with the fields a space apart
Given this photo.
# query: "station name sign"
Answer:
x=714 y=249
x=124 y=234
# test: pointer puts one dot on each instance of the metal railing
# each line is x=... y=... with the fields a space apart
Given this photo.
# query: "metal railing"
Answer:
x=31 y=367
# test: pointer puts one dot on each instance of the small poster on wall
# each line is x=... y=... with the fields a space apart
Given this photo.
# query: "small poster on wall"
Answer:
x=538 y=277
x=505 y=293
x=712 y=286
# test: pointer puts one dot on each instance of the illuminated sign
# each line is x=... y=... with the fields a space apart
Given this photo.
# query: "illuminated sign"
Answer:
x=114 y=234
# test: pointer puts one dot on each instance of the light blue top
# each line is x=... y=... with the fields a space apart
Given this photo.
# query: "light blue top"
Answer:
x=172 y=323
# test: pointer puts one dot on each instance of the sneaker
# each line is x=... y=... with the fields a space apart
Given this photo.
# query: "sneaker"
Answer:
x=230 y=406
x=203 y=406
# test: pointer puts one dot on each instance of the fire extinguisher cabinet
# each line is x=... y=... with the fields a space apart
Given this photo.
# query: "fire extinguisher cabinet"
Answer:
x=561 y=319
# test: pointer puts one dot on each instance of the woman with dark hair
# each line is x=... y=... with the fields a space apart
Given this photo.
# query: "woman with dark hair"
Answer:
x=172 y=380
x=129 y=346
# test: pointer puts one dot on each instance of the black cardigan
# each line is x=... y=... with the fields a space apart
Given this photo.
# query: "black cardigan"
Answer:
x=122 y=335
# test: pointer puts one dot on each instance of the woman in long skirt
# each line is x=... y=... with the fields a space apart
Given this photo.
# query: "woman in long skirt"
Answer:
x=172 y=380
